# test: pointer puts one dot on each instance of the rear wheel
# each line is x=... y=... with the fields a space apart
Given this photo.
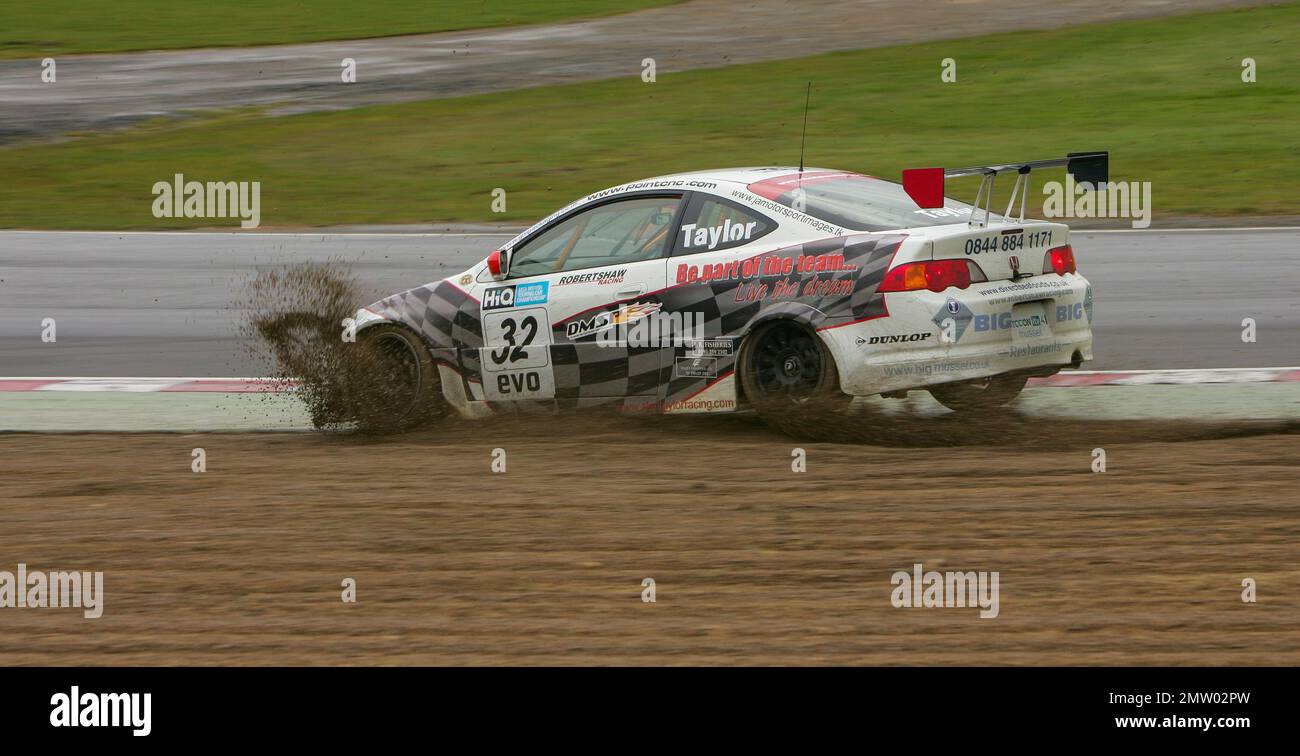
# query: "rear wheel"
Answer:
x=399 y=379
x=984 y=394
x=789 y=376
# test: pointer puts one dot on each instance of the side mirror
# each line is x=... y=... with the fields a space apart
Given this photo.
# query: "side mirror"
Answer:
x=499 y=263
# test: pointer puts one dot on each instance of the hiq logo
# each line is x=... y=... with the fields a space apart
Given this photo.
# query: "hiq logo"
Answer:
x=519 y=295
x=1069 y=312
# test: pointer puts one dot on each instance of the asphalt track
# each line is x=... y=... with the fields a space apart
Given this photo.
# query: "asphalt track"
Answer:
x=106 y=91
x=163 y=304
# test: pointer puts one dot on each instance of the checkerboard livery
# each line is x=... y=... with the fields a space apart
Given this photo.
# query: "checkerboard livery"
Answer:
x=811 y=287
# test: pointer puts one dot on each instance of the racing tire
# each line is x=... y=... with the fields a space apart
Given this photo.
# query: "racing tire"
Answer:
x=790 y=378
x=403 y=388
x=981 y=395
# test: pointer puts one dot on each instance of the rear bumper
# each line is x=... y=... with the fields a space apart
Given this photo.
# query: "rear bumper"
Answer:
x=1039 y=324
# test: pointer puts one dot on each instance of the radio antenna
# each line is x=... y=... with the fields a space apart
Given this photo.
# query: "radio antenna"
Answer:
x=803 y=138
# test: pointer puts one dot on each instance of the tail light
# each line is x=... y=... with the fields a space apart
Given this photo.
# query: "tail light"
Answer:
x=1060 y=261
x=935 y=275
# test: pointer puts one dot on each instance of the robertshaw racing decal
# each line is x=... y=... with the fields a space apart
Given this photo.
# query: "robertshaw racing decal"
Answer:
x=600 y=277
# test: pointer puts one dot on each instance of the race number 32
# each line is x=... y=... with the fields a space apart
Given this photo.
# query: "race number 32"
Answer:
x=516 y=339
x=515 y=357
x=517 y=336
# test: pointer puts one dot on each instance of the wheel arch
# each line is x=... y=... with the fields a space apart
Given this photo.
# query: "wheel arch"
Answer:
x=803 y=315
x=454 y=392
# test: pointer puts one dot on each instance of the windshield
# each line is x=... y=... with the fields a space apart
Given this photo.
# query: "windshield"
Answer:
x=857 y=202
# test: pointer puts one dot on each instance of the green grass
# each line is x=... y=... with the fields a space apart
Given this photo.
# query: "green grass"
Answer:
x=62 y=27
x=1164 y=96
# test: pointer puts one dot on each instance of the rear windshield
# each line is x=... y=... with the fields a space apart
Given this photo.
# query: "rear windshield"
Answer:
x=857 y=202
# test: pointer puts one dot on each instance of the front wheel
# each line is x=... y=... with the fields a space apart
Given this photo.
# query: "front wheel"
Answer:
x=789 y=376
x=399 y=381
x=984 y=394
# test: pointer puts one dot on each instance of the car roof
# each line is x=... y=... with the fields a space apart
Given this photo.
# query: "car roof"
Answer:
x=743 y=176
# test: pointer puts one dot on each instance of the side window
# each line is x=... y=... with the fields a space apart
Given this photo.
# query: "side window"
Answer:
x=614 y=233
x=712 y=223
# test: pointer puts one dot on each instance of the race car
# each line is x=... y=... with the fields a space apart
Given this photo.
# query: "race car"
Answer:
x=771 y=288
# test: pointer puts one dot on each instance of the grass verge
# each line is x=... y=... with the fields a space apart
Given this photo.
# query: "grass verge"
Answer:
x=1165 y=96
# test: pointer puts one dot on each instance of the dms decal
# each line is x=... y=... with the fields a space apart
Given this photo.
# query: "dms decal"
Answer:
x=517 y=295
x=624 y=315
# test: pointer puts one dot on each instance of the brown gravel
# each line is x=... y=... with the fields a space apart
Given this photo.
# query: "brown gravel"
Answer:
x=754 y=564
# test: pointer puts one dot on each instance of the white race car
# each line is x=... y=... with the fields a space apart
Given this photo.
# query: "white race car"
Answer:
x=770 y=288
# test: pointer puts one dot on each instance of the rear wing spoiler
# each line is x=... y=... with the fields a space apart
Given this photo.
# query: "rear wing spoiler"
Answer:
x=925 y=185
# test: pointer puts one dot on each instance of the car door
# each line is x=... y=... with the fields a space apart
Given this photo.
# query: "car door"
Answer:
x=715 y=236
x=551 y=329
